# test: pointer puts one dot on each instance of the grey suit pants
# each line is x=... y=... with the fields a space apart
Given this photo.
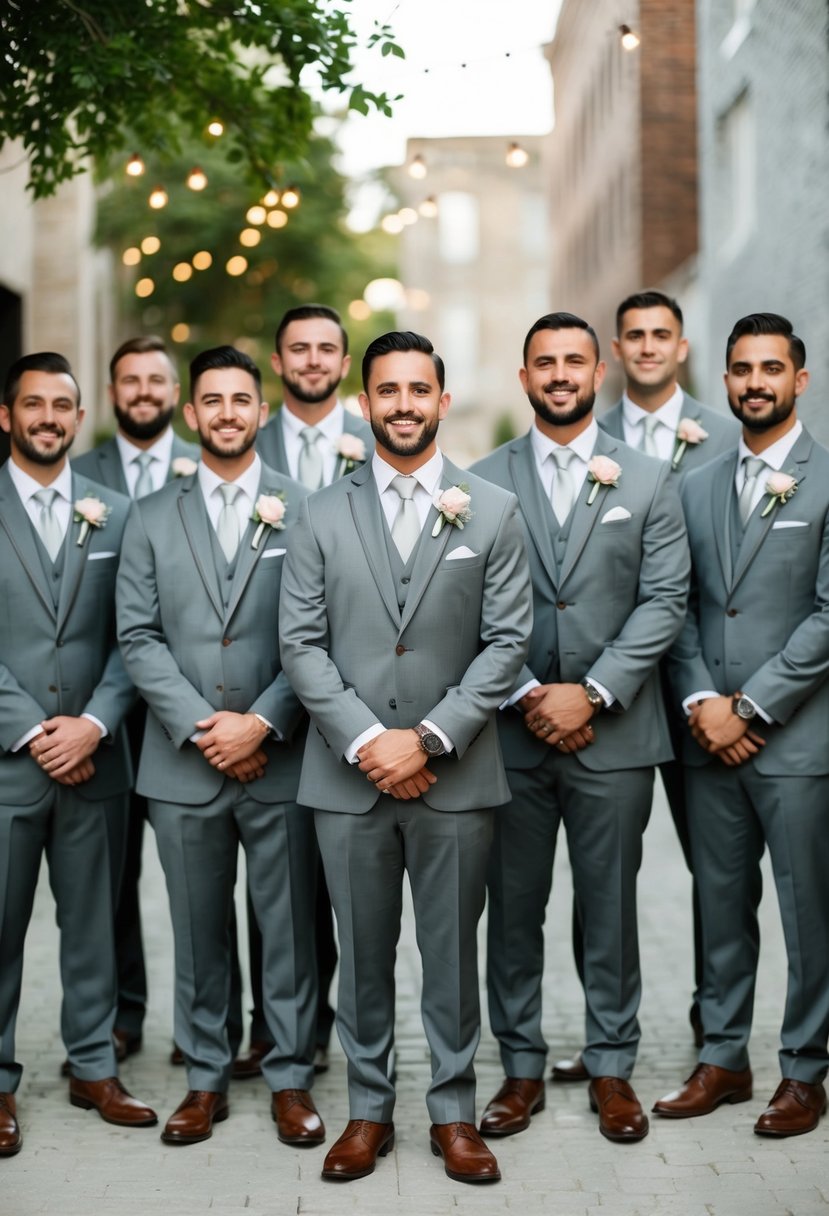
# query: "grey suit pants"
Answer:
x=198 y=847
x=733 y=814
x=84 y=846
x=604 y=816
x=445 y=856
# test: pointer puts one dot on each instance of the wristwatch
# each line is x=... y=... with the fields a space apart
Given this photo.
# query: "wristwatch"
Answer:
x=742 y=707
x=593 y=695
x=429 y=742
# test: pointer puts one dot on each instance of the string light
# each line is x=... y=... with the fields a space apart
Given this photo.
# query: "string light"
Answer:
x=180 y=332
x=131 y=256
x=271 y=198
x=417 y=167
x=429 y=207
x=358 y=310
x=182 y=271
x=135 y=166
x=277 y=219
x=290 y=197
x=407 y=215
x=197 y=178
x=250 y=237
x=150 y=244
x=144 y=288
x=158 y=198
x=517 y=157
x=392 y=224
x=629 y=38
x=202 y=260
x=216 y=127
x=256 y=215
x=236 y=265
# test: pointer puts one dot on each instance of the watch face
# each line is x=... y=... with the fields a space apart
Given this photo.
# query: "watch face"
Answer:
x=432 y=744
x=744 y=708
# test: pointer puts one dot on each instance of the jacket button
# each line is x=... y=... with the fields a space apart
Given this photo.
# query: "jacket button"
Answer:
x=220 y=688
x=53 y=688
x=405 y=580
x=226 y=641
x=731 y=612
x=562 y=604
x=392 y=703
x=399 y=649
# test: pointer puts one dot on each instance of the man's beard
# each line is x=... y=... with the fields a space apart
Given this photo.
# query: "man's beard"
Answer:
x=779 y=412
x=401 y=445
x=311 y=396
x=143 y=430
x=246 y=442
x=25 y=446
x=581 y=409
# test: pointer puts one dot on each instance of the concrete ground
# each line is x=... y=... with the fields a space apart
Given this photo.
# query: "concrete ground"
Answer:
x=73 y=1164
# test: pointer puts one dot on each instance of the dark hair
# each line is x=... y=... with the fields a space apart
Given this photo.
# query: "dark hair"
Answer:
x=305 y=312
x=757 y=323
x=43 y=361
x=648 y=299
x=218 y=357
x=402 y=340
x=139 y=346
x=560 y=320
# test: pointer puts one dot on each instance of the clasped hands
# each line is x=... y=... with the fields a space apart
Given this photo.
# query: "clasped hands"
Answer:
x=559 y=714
x=396 y=763
x=718 y=730
x=64 y=748
x=232 y=743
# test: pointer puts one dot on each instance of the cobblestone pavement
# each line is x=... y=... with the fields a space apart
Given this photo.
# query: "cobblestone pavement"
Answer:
x=73 y=1164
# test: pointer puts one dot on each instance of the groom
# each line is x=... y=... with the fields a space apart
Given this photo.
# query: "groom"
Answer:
x=405 y=615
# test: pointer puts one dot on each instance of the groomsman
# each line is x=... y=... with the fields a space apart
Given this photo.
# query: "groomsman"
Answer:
x=402 y=633
x=656 y=415
x=584 y=724
x=315 y=440
x=143 y=455
x=64 y=765
x=198 y=590
x=750 y=669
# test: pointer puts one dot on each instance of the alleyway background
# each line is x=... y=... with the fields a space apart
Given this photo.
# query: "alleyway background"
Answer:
x=73 y=1164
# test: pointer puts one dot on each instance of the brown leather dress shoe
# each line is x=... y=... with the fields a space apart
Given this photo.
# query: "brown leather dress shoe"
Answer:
x=297 y=1119
x=510 y=1111
x=707 y=1087
x=465 y=1156
x=250 y=1064
x=795 y=1109
x=193 y=1119
x=11 y=1140
x=177 y=1056
x=565 y=1071
x=355 y=1153
x=112 y=1102
x=621 y=1117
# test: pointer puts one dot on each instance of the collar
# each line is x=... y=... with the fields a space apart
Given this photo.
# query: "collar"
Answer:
x=582 y=445
x=668 y=414
x=161 y=450
x=428 y=475
x=248 y=482
x=26 y=486
x=775 y=456
x=331 y=425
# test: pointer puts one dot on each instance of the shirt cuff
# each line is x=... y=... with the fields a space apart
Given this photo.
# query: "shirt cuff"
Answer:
x=606 y=696
x=704 y=695
x=350 y=753
x=522 y=692
x=280 y=738
x=91 y=718
x=27 y=738
x=444 y=738
x=761 y=713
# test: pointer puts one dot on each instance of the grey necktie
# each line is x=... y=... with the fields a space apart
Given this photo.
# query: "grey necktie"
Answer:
x=649 y=425
x=753 y=466
x=405 y=531
x=49 y=528
x=564 y=490
x=144 y=484
x=310 y=458
x=227 y=525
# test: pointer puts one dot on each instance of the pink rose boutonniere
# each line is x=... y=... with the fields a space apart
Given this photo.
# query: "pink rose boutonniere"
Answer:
x=268 y=512
x=453 y=505
x=90 y=513
x=688 y=431
x=351 y=451
x=183 y=466
x=780 y=486
x=602 y=471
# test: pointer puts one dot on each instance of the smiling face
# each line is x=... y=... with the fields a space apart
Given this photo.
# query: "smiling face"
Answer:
x=43 y=420
x=561 y=377
x=144 y=393
x=311 y=361
x=763 y=383
x=650 y=347
x=226 y=412
x=404 y=406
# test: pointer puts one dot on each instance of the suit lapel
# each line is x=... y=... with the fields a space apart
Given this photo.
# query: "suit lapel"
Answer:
x=759 y=525
x=612 y=422
x=530 y=492
x=196 y=523
x=15 y=520
x=431 y=549
x=721 y=493
x=75 y=555
x=112 y=468
x=367 y=514
x=584 y=516
x=248 y=557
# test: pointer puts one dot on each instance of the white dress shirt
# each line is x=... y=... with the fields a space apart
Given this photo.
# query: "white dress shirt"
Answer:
x=161 y=452
x=331 y=428
x=428 y=478
x=664 y=436
x=62 y=509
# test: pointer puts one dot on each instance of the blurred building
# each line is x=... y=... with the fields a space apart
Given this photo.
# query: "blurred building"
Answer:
x=476 y=275
x=56 y=288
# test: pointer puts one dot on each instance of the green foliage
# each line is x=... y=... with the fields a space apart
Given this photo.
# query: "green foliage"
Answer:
x=503 y=431
x=314 y=257
x=79 y=78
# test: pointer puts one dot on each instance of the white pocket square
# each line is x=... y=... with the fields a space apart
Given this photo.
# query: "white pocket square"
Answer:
x=790 y=523
x=461 y=551
x=96 y=557
x=615 y=513
x=274 y=553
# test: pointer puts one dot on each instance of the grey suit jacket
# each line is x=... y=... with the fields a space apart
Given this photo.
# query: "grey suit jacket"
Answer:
x=103 y=464
x=270 y=442
x=64 y=660
x=189 y=655
x=758 y=619
x=451 y=655
x=723 y=433
x=611 y=610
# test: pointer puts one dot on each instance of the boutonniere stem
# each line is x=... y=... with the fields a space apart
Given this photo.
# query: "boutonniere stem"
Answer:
x=90 y=512
x=602 y=471
x=688 y=431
